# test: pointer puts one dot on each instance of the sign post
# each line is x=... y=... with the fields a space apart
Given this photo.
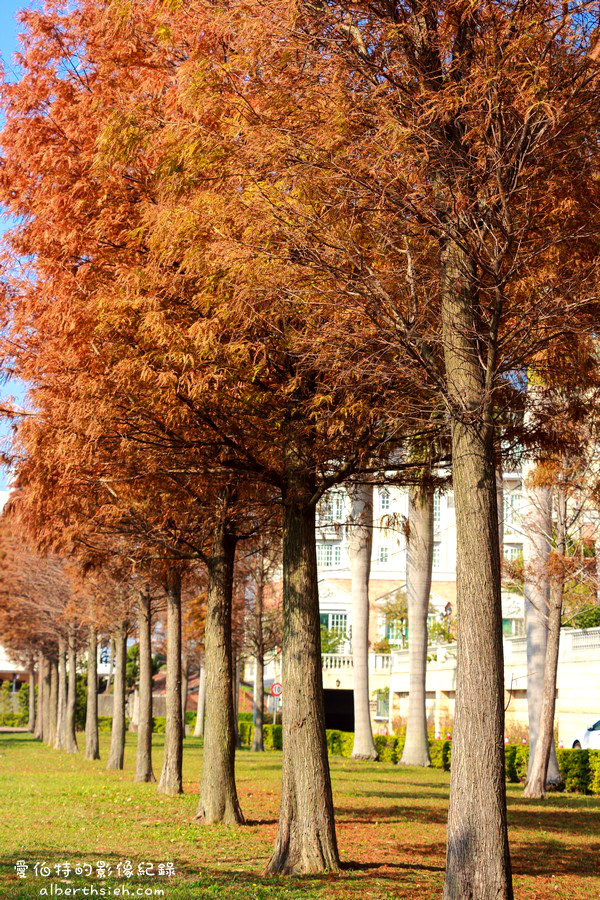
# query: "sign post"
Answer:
x=276 y=692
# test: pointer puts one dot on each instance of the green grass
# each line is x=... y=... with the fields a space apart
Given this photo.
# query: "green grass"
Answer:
x=390 y=822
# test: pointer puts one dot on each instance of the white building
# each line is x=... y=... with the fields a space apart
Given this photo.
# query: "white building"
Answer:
x=388 y=564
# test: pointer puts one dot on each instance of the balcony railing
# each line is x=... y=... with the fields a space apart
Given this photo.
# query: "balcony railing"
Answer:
x=378 y=662
x=574 y=644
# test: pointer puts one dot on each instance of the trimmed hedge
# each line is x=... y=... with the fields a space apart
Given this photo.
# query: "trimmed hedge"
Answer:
x=14 y=720
x=580 y=768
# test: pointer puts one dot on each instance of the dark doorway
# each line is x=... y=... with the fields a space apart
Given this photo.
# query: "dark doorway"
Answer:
x=339 y=710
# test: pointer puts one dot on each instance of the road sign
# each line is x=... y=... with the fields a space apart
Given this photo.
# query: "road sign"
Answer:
x=276 y=689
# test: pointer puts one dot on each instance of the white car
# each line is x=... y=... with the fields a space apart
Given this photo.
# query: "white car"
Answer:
x=588 y=739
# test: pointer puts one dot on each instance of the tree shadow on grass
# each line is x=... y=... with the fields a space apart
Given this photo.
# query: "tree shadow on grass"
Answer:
x=393 y=813
x=193 y=879
x=351 y=866
x=561 y=819
x=549 y=857
x=8 y=740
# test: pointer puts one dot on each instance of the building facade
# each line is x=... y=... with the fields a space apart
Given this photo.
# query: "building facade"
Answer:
x=388 y=562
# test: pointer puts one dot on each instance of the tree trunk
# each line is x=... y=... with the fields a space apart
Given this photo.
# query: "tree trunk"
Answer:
x=41 y=700
x=31 y=718
x=199 y=726
x=117 y=736
x=111 y=663
x=237 y=666
x=478 y=859
x=92 y=745
x=500 y=502
x=597 y=550
x=143 y=759
x=419 y=560
x=218 y=793
x=59 y=737
x=537 y=544
x=71 y=705
x=306 y=841
x=171 y=777
x=259 y=665
x=537 y=778
x=360 y=545
x=53 y=704
x=185 y=682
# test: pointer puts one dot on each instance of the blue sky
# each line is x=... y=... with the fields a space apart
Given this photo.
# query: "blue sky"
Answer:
x=9 y=28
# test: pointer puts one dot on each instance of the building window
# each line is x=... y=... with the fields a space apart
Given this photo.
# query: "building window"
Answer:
x=436 y=508
x=383 y=705
x=325 y=555
x=331 y=508
x=513 y=552
x=337 y=622
x=512 y=509
x=383 y=554
x=437 y=556
x=329 y=555
x=384 y=500
x=395 y=631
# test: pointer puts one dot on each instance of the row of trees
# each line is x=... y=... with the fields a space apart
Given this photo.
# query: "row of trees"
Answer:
x=54 y=619
x=262 y=250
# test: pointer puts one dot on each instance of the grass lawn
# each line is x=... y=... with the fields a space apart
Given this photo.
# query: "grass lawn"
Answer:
x=390 y=820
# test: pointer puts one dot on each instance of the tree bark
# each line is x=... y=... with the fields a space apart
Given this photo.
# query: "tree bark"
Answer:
x=360 y=545
x=419 y=560
x=199 y=726
x=92 y=744
x=70 y=736
x=53 y=701
x=185 y=681
x=143 y=759
x=597 y=551
x=537 y=544
x=500 y=502
x=59 y=737
x=259 y=670
x=171 y=781
x=306 y=840
x=537 y=777
x=41 y=700
x=237 y=668
x=117 y=737
x=218 y=794
x=31 y=718
x=477 y=860
x=111 y=664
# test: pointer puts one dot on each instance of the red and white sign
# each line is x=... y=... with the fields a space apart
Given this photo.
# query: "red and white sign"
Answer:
x=276 y=689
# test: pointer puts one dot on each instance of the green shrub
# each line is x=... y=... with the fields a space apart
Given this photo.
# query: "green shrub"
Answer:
x=334 y=741
x=14 y=720
x=510 y=756
x=575 y=770
x=347 y=743
x=272 y=737
x=446 y=755
x=23 y=700
x=522 y=761
x=594 y=760
x=246 y=731
x=246 y=717
x=386 y=746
